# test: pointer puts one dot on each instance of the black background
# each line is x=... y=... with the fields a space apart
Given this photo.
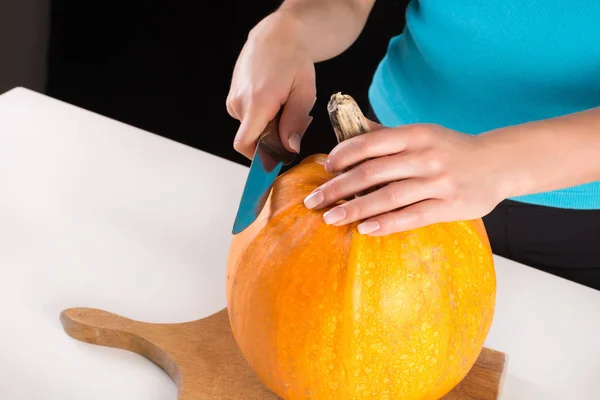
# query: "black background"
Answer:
x=165 y=66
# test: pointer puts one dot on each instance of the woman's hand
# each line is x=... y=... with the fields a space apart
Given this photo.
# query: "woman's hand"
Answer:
x=274 y=68
x=428 y=174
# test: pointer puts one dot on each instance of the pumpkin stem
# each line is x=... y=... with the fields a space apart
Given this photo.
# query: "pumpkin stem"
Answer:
x=346 y=117
x=348 y=121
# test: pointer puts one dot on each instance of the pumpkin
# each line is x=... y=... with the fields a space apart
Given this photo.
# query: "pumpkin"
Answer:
x=323 y=312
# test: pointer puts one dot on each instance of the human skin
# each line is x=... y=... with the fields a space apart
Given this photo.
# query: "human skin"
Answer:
x=429 y=174
x=276 y=66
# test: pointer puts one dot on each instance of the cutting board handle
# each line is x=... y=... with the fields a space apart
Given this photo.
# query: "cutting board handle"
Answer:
x=107 y=329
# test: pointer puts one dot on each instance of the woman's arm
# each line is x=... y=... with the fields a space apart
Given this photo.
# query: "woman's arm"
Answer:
x=547 y=155
x=326 y=27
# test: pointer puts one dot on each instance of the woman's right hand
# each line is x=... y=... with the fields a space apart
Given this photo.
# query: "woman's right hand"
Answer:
x=274 y=69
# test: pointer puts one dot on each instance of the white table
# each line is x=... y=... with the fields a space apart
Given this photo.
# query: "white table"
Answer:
x=99 y=214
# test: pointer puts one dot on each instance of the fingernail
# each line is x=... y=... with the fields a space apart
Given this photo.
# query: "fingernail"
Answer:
x=328 y=166
x=368 y=227
x=334 y=215
x=294 y=142
x=310 y=119
x=314 y=199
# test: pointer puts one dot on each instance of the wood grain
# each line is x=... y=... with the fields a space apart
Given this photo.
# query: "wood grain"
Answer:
x=203 y=359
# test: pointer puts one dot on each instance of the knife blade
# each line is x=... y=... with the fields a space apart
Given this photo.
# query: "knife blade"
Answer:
x=269 y=157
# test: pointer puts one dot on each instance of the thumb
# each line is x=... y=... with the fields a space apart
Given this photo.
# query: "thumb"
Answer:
x=295 y=117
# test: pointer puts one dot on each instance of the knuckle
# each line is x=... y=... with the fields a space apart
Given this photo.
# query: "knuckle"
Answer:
x=337 y=158
x=395 y=193
x=331 y=190
x=434 y=161
x=428 y=130
x=232 y=103
x=333 y=161
x=414 y=219
x=353 y=210
x=424 y=132
x=257 y=94
x=447 y=185
x=458 y=203
x=417 y=219
x=389 y=225
x=238 y=146
x=367 y=172
x=361 y=143
x=421 y=217
x=415 y=130
x=232 y=110
x=242 y=150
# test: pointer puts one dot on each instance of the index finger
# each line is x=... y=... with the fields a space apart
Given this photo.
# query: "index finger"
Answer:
x=253 y=123
x=378 y=143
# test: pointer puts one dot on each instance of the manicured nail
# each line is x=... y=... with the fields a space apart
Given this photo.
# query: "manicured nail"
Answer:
x=368 y=227
x=334 y=215
x=314 y=199
x=294 y=142
x=310 y=119
x=328 y=166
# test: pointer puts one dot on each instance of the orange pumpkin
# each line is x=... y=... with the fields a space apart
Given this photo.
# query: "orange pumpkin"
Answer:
x=322 y=312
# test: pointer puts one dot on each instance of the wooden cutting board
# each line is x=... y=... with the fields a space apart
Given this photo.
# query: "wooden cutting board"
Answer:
x=205 y=363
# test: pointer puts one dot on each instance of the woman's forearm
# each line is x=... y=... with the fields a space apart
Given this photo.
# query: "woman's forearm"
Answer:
x=549 y=154
x=325 y=28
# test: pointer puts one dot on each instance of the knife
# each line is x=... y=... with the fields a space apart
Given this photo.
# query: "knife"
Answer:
x=270 y=156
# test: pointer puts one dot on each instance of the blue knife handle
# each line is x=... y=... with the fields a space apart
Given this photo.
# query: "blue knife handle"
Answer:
x=272 y=142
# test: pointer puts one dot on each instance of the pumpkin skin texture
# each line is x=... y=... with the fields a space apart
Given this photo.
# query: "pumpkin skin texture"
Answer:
x=322 y=312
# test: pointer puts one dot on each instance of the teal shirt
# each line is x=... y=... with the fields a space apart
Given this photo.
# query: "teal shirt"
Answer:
x=474 y=66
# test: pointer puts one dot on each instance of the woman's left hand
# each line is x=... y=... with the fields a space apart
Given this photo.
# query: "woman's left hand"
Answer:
x=430 y=174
